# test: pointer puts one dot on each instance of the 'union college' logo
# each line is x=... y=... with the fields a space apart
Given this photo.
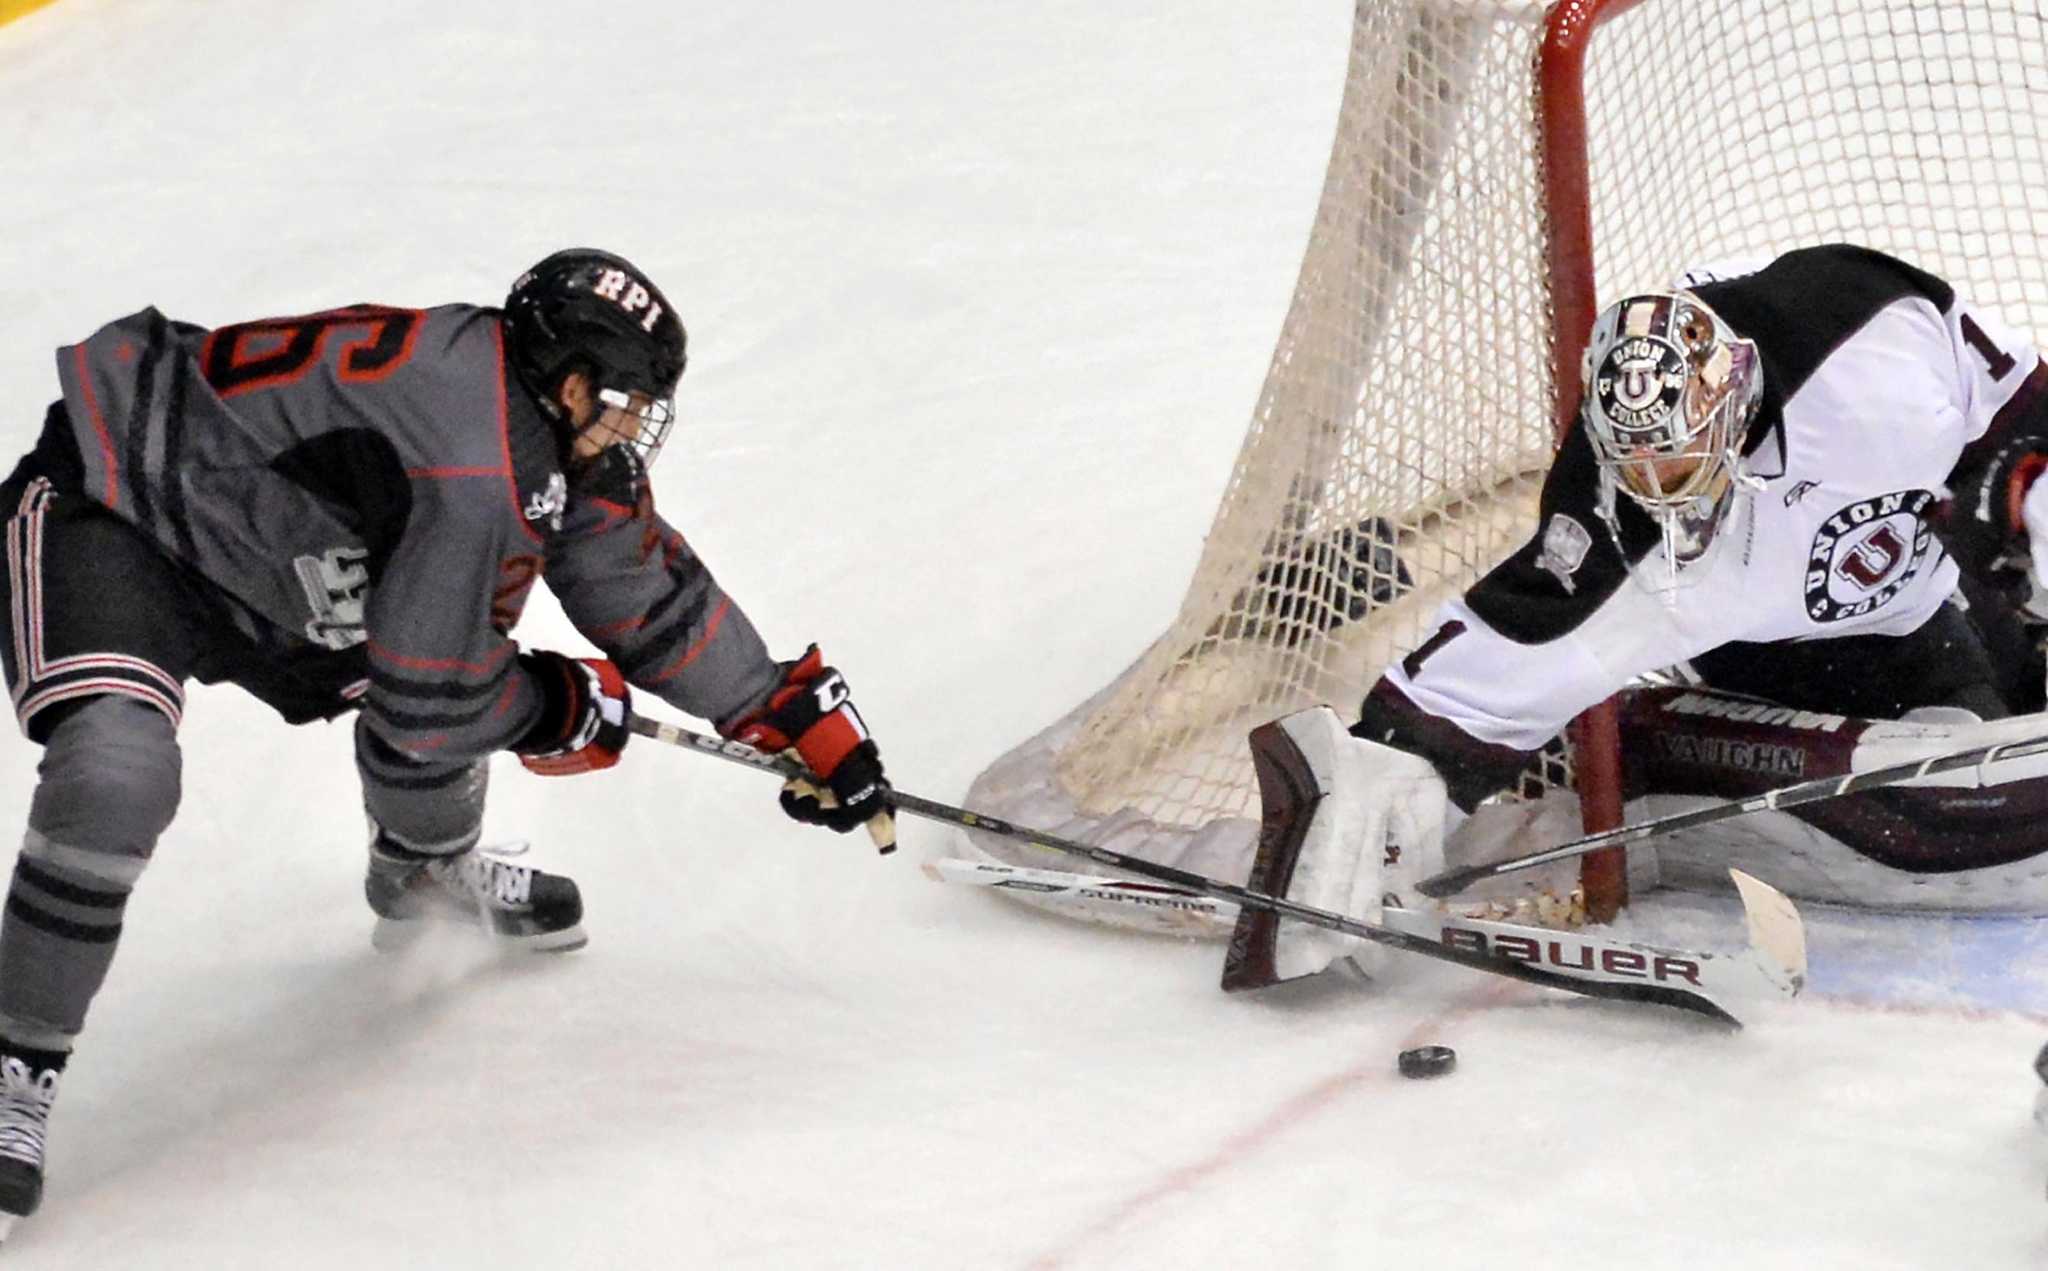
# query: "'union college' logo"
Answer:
x=1866 y=553
x=1639 y=384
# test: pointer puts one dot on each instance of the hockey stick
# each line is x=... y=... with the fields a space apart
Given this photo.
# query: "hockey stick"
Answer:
x=1479 y=956
x=1774 y=964
x=1452 y=881
x=1123 y=902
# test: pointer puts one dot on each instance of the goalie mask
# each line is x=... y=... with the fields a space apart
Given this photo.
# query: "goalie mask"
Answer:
x=1669 y=391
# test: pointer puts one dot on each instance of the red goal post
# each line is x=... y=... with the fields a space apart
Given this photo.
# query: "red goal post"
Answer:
x=1498 y=169
x=1568 y=228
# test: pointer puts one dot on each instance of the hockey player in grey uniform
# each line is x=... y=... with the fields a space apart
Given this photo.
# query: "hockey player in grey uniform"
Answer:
x=346 y=511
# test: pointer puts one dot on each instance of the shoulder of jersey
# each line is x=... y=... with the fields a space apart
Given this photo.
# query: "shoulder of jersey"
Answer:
x=1802 y=307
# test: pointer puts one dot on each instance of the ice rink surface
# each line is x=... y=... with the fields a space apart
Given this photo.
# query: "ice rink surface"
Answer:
x=979 y=298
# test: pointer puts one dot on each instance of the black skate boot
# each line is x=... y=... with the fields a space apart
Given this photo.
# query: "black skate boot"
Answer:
x=28 y=1086
x=412 y=891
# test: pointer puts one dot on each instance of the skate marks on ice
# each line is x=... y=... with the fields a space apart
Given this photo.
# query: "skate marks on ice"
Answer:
x=289 y=1049
x=1371 y=1075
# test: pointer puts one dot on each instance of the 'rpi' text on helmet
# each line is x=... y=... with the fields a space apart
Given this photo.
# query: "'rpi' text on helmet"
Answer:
x=620 y=287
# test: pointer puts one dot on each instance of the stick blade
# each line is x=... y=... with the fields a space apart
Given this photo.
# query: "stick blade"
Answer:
x=1777 y=935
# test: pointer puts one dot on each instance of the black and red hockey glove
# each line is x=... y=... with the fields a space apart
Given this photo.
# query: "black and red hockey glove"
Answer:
x=1983 y=525
x=812 y=716
x=582 y=725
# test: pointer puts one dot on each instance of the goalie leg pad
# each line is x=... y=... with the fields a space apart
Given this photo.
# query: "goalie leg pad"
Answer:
x=1342 y=823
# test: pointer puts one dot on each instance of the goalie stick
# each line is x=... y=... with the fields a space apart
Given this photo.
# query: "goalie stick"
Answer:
x=1773 y=965
x=1632 y=984
x=1980 y=759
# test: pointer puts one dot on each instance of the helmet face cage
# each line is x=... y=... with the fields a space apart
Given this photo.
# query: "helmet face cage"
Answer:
x=654 y=418
x=1669 y=393
x=594 y=313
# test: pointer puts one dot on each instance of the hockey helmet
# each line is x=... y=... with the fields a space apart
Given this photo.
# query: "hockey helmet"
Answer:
x=1668 y=393
x=590 y=311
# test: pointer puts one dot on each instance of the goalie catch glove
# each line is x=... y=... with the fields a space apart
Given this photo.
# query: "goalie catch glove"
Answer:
x=811 y=715
x=1996 y=526
x=582 y=724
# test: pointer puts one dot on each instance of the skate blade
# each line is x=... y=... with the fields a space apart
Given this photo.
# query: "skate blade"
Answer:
x=390 y=936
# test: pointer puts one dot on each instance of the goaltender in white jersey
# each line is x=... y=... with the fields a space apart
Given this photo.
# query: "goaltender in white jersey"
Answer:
x=1767 y=459
x=1771 y=484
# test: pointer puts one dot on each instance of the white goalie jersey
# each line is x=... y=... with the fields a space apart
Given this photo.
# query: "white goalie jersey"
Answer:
x=1881 y=385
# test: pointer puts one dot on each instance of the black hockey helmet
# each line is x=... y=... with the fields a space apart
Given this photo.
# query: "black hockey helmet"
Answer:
x=590 y=311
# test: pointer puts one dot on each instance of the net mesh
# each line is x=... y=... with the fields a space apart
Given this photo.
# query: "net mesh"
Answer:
x=1406 y=419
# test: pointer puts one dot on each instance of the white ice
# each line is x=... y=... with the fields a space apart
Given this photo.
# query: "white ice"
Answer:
x=980 y=296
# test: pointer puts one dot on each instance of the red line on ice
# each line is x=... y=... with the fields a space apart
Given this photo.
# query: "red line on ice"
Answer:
x=1295 y=1111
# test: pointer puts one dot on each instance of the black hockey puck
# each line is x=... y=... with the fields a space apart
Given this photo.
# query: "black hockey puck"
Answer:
x=1428 y=1061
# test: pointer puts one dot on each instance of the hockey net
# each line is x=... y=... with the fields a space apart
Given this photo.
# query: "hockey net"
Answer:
x=1488 y=157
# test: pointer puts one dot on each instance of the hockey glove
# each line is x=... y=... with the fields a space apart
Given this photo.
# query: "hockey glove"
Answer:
x=582 y=725
x=1985 y=525
x=812 y=715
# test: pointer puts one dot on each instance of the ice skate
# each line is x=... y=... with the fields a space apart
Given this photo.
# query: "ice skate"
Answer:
x=413 y=893
x=28 y=1088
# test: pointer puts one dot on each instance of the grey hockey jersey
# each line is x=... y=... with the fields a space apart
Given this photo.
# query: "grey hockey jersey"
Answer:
x=370 y=483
